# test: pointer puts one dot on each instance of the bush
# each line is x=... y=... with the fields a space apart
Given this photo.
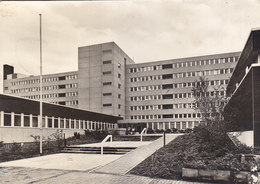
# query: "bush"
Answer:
x=204 y=148
x=150 y=131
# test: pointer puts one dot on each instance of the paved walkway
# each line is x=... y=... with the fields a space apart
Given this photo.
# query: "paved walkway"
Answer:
x=69 y=172
x=128 y=161
x=45 y=176
x=64 y=161
x=121 y=144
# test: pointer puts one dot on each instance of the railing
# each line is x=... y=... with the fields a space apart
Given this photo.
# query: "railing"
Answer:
x=105 y=140
x=144 y=131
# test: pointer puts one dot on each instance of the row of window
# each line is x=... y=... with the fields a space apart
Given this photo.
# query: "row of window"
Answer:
x=177 y=85
x=182 y=75
x=49 y=79
x=170 y=125
x=165 y=106
x=177 y=95
x=53 y=95
x=163 y=116
x=44 y=88
x=184 y=64
x=73 y=102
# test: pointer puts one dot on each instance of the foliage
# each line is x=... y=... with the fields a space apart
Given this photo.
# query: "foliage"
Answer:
x=208 y=102
x=201 y=149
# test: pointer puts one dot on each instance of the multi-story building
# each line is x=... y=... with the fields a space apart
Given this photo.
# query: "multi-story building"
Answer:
x=155 y=94
x=61 y=88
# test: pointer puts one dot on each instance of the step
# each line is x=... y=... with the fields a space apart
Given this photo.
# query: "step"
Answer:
x=97 y=150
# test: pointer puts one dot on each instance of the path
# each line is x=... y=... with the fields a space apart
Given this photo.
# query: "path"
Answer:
x=128 y=161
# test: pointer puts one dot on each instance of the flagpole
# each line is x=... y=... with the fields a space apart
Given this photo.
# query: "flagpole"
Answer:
x=40 y=83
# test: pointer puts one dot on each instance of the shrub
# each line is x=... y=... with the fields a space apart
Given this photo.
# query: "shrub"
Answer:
x=168 y=131
x=150 y=131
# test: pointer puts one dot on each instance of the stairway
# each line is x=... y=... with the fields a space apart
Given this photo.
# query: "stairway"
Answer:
x=97 y=150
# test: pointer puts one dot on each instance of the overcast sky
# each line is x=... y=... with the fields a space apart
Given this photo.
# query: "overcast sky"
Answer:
x=145 y=30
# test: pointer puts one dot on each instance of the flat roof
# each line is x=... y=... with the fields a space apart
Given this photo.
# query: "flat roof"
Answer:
x=247 y=57
x=15 y=104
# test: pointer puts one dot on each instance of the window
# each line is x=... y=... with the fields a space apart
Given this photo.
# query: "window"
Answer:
x=119 y=86
x=167 y=106
x=167 y=115
x=119 y=75
x=119 y=96
x=167 y=76
x=62 y=86
x=167 y=66
x=167 y=86
x=107 y=83
x=107 y=62
x=62 y=103
x=107 y=105
x=62 y=94
x=169 y=96
x=107 y=73
x=107 y=94
x=62 y=78
x=107 y=51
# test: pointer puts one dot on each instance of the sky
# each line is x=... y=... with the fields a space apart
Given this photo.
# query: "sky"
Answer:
x=147 y=31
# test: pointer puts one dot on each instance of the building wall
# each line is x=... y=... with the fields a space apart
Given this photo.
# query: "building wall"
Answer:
x=148 y=84
x=102 y=78
x=61 y=88
x=109 y=82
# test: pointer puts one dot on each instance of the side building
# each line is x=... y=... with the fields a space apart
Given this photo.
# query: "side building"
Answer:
x=61 y=88
x=158 y=94
x=243 y=109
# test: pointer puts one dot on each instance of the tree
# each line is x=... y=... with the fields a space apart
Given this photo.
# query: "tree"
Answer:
x=209 y=101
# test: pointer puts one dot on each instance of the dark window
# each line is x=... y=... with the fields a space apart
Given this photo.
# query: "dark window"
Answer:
x=62 y=103
x=62 y=78
x=62 y=94
x=167 y=115
x=107 y=105
x=62 y=86
x=167 y=86
x=107 y=73
x=167 y=66
x=169 y=96
x=168 y=106
x=107 y=83
x=107 y=62
x=107 y=94
x=167 y=76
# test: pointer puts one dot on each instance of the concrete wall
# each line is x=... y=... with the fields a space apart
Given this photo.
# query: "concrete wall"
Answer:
x=22 y=134
x=245 y=137
x=92 y=74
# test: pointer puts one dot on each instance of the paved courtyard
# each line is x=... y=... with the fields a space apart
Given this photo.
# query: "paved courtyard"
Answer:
x=64 y=161
x=46 y=176
x=67 y=168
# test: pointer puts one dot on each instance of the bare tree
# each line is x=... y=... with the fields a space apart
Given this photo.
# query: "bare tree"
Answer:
x=209 y=103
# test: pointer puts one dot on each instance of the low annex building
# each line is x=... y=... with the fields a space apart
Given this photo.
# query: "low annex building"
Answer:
x=19 y=119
